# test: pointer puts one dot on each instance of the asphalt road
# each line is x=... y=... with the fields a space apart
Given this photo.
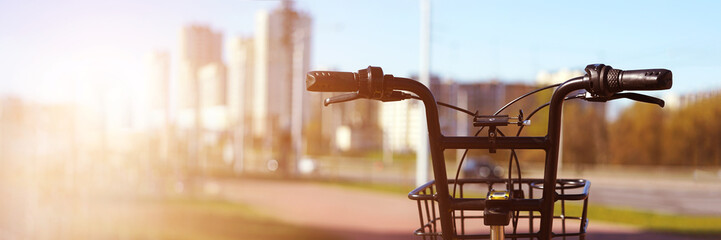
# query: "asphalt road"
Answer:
x=685 y=197
x=361 y=214
x=667 y=190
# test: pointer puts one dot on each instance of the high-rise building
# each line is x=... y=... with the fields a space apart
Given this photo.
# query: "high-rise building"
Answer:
x=240 y=92
x=282 y=57
x=213 y=86
x=199 y=46
x=158 y=97
x=240 y=78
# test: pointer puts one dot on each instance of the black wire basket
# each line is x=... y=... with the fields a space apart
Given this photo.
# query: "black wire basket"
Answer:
x=569 y=222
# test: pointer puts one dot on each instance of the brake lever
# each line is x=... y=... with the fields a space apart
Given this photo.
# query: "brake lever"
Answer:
x=391 y=97
x=629 y=95
x=643 y=98
x=395 y=96
x=341 y=98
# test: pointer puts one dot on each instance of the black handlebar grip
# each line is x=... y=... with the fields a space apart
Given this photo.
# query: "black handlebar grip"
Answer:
x=327 y=81
x=648 y=79
x=604 y=80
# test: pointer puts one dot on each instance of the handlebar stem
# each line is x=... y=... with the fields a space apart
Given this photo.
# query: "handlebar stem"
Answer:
x=435 y=138
x=553 y=136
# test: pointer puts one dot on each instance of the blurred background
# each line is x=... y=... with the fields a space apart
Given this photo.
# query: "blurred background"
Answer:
x=190 y=119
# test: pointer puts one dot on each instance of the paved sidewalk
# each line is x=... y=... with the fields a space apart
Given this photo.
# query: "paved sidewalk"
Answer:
x=361 y=214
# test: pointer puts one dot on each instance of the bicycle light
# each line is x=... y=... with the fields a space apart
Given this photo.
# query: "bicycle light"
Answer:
x=497 y=211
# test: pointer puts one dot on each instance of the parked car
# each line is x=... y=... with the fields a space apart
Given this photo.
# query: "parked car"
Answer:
x=481 y=168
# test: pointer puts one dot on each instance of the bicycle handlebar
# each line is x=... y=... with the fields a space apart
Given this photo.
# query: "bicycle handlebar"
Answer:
x=601 y=81
x=605 y=81
x=328 y=81
x=368 y=82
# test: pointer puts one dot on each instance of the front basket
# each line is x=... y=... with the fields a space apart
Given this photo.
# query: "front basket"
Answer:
x=569 y=210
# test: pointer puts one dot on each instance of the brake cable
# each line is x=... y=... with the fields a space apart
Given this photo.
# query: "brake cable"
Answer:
x=466 y=111
x=465 y=153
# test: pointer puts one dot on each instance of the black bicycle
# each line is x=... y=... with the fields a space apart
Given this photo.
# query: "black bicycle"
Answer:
x=445 y=212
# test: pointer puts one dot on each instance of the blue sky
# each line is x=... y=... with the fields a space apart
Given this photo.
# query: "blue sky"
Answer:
x=52 y=50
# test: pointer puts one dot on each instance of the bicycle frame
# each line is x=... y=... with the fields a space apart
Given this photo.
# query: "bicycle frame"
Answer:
x=439 y=143
x=601 y=82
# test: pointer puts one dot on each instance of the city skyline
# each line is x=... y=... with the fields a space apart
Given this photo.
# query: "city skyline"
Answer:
x=94 y=38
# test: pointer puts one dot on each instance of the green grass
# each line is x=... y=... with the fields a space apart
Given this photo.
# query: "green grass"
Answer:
x=687 y=224
x=408 y=158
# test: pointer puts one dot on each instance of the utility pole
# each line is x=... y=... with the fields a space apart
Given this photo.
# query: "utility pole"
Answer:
x=462 y=121
x=424 y=77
